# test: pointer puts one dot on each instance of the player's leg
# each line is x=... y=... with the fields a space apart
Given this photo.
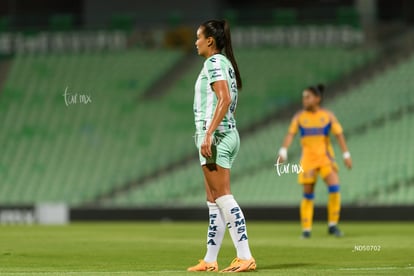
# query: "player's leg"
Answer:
x=215 y=234
x=306 y=209
x=218 y=179
x=330 y=175
x=217 y=225
x=308 y=179
x=215 y=211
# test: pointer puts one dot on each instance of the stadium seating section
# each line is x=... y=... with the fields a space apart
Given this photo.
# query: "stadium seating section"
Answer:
x=76 y=152
x=377 y=116
x=59 y=152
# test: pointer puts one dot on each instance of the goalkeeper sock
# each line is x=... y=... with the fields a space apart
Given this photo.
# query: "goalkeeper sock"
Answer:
x=306 y=211
x=334 y=204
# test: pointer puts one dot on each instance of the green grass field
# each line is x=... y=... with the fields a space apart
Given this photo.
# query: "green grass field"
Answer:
x=168 y=248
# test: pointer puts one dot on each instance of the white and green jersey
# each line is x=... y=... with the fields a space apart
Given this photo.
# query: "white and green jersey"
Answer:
x=216 y=68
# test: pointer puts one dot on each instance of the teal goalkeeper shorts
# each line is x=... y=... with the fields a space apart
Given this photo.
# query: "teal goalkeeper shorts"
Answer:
x=225 y=148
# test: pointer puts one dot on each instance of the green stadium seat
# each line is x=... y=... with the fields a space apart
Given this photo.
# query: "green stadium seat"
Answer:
x=348 y=16
x=232 y=16
x=285 y=17
x=5 y=22
x=123 y=22
x=61 y=22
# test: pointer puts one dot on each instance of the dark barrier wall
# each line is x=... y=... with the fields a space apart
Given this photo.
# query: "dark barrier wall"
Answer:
x=27 y=214
x=405 y=213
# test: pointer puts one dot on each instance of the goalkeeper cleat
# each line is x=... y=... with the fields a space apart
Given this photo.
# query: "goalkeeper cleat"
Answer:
x=334 y=231
x=306 y=234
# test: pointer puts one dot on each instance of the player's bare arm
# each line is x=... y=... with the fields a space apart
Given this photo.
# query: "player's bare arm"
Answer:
x=345 y=151
x=223 y=102
x=282 y=154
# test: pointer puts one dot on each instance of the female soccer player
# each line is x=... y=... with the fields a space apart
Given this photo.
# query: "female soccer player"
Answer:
x=314 y=124
x=218 y=142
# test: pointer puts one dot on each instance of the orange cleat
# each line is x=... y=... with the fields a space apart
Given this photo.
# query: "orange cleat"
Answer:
x=203 y=266
x=239 y=265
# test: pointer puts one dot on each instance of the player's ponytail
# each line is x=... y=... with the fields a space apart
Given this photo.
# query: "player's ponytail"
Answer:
x=220 y=31
x=228 y=49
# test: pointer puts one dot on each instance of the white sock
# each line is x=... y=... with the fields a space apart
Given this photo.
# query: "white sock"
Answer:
x=237 y=225
x=215 y=233
x=233 y=234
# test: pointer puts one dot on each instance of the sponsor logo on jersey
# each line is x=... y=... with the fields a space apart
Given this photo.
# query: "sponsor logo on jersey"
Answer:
x=214 y=69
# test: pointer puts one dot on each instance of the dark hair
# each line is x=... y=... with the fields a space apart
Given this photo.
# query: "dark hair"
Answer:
x=317 y=90
x=220 y=31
